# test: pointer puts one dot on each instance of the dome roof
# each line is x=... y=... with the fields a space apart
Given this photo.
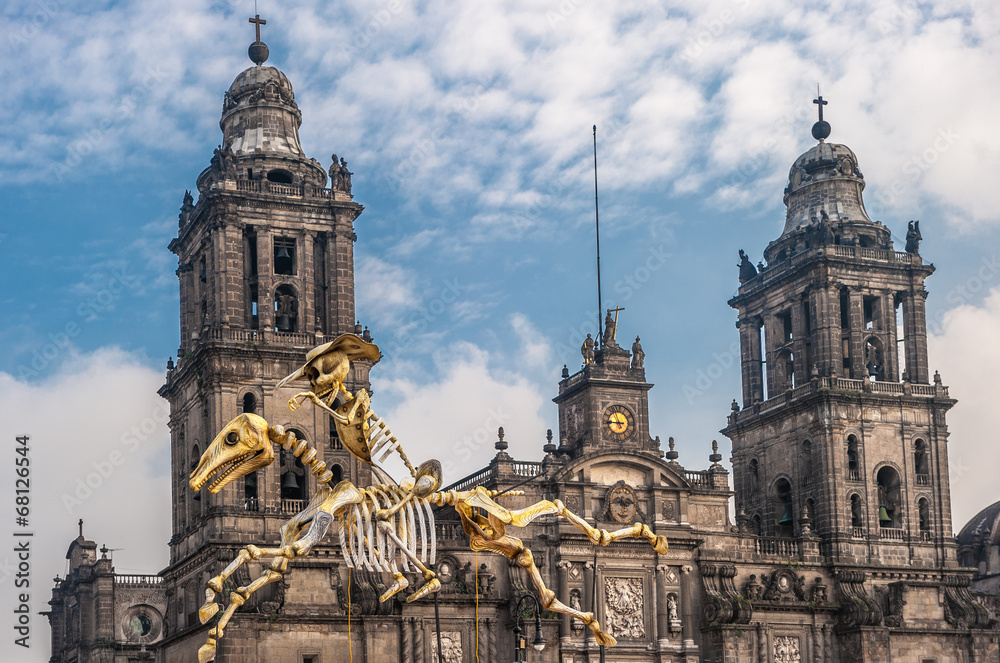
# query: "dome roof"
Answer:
x=824 y=182
x=254 y=76
x=259 y=114
x=980 y=523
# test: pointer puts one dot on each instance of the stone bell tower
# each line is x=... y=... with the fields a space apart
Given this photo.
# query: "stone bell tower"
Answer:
x=266 y=271
x=606 y=404
x=842 y=432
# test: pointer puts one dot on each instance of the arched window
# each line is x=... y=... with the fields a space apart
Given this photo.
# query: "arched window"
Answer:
x=249 y=403
x=251 y=501
x=195 y=457
x=853 y=459
x=784 y=515
x=285 y=309
x=807 y=462
x=786 y=370
x=924 y=513
x=889 y=512
x=338 y=474
x=874 y=359
x=293 y=473
x=920 y=463
x=857 y=513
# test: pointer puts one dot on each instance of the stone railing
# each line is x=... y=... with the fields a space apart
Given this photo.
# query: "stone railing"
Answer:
x=261 y=336
x=858 y=533
x=449 y=531
x=776 y=547
x=275 y=188
x=892 y=533
x=881 y=255
x=136 y=580
x=292 y=506
x=526 y=468
x=923 y=479
x=775 y=270
x=478 y=479
x=840 y=384
x=854 y=475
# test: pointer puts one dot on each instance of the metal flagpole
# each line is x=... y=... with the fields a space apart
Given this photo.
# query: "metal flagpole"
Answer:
x=597 y=220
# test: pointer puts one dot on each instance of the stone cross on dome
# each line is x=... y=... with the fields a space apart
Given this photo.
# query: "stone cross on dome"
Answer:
x=258 y=50
x=820 y=130
x=258 y=21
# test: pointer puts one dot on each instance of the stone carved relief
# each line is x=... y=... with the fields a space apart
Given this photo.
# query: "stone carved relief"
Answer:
x=624 y=605
x=786 y=649
x=451 y=647
x=668 y=510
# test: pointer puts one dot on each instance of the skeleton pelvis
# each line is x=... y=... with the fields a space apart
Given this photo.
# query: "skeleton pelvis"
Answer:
x=354 y=433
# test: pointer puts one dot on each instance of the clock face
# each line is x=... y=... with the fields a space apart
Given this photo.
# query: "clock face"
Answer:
x=619 y=422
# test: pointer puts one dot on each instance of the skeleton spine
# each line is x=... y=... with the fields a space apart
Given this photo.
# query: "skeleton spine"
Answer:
x=301 y=449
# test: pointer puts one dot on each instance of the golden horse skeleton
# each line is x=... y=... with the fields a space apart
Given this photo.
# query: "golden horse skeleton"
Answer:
x=378 y=524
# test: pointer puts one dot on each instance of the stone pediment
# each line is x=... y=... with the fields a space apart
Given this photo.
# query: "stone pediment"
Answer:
x=636 y=469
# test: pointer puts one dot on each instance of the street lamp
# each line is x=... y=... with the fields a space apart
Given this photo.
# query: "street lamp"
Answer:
x=520 y=643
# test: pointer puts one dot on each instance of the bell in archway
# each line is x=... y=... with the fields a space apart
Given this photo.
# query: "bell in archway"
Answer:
x=284 y=323
x=289 y=482
x=786 y=519
x=883 y=517
x=282 y=254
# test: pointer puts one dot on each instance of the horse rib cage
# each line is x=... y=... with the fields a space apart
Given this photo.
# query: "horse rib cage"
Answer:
x=365 y=546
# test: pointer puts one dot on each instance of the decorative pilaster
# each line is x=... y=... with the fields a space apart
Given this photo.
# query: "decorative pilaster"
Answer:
x=662 y=617
x=565 y=623
x=687 y=607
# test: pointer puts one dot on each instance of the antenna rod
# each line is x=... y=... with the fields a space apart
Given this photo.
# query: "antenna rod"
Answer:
x=597 y=220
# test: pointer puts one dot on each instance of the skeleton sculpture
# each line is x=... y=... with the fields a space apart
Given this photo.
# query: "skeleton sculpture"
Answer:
x=380 y=525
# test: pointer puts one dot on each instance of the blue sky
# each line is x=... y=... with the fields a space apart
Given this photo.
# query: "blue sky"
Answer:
x=468 y=128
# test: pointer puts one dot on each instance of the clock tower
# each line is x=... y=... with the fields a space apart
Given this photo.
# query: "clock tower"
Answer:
x=605 y=404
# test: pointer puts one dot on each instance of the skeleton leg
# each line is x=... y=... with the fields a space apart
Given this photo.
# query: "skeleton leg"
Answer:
x=526 y=561
x=432 y=584
x=523 y=517
x=318 y=515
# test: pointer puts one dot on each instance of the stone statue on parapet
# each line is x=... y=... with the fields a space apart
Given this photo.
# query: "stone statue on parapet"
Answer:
x=913 y=237
x=747 y=270
x=637 y=354
x=587 y=350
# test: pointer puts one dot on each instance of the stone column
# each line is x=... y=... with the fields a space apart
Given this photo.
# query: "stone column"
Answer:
x=687 y=607
x=801 y=367
x=265 y=279
x=565 y=622
x=662 y=616
x=589 y=580
x=887 y=314
x=915 y=333
x=307 y=281
x=857 y=328
x=750 y=356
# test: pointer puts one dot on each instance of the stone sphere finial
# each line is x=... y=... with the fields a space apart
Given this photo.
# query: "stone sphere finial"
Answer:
x=258 y=52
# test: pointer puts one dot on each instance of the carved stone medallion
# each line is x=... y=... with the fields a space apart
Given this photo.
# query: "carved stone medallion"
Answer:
x=622 y=505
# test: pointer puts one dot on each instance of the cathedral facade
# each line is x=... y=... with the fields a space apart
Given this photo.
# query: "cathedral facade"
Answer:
x=842 y=550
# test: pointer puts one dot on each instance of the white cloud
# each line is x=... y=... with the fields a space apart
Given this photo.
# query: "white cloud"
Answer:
x=967 y=353
x=99 y=450
x=484 y=102
x=454 y=417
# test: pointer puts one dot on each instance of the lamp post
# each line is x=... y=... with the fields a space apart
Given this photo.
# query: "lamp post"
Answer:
x=520 y=643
